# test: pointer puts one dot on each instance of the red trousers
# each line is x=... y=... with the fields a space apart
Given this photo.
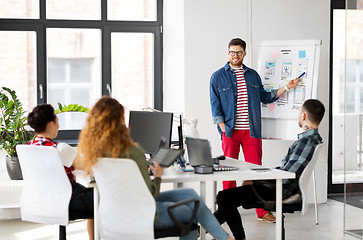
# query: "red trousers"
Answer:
x=252 y=151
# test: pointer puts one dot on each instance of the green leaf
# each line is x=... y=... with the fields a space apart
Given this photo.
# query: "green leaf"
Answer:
x=70 y=107
x=80 y=109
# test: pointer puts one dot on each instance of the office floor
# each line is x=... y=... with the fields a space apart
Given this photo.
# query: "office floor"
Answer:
x=297 y=227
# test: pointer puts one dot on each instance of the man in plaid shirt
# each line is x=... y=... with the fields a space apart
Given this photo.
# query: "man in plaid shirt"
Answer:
x=297 y=158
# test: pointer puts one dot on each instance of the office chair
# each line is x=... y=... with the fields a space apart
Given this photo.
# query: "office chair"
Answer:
x=47 y=190
x=180 y=229
x=304 y=181
x=127 y=208
x=297 y=202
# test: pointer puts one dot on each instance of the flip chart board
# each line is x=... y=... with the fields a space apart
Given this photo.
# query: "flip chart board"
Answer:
x=281 y=61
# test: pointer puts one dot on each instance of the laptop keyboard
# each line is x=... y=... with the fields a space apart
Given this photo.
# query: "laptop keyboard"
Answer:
x=217 y=167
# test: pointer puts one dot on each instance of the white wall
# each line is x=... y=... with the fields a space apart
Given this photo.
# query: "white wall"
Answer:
x=174 y=70
x=290 y=22
x=8 y=194
x=208 y=27
x=204 y=28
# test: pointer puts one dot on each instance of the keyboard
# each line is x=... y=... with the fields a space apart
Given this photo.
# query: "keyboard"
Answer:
x=217 y=167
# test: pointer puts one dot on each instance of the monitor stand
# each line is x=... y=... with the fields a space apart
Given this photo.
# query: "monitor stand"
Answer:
x=203 y=169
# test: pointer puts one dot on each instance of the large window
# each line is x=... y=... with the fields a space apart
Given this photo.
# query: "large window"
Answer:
x=75 y=51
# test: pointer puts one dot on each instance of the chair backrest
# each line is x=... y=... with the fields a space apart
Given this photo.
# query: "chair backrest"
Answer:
x=47 y=190
x=306 y=175
x=127 y=208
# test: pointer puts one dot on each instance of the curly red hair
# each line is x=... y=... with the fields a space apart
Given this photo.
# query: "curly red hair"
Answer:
x=105 y=133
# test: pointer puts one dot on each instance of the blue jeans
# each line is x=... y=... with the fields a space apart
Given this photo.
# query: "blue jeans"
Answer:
x=183 y=213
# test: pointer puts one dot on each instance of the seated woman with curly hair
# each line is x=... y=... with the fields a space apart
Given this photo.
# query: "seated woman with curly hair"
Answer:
x=106 y=135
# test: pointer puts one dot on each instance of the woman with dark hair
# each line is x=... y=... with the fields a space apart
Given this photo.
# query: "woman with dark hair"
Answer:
x=45 y=123
x=106 y=135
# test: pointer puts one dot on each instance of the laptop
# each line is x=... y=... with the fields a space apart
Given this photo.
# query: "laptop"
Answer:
x=200 y=154
x=166 y=156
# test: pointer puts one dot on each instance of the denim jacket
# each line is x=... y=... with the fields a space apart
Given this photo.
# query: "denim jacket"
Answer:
x=223 y=98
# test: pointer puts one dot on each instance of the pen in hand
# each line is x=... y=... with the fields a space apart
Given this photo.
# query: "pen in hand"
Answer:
x=301 y=75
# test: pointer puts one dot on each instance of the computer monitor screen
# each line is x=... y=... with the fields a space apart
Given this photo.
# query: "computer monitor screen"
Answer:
x=148 y=128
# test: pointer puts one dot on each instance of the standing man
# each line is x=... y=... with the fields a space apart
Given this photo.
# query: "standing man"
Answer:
x=236 y=92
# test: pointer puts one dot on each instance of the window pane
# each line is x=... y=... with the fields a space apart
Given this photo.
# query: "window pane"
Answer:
x=74 y=9
x=57 y=95
x=132 y=10
x=56 y=70
x=132 y=69
x=19 y=9
x=351 y=70
x=18 y=65
x=80 y=69
x=74 y=75
x=351 y=97
x=81 y=96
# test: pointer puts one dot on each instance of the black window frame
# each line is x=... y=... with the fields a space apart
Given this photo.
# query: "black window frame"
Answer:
x=40 y=26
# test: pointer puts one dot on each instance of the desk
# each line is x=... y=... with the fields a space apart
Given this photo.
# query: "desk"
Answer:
x=172 y=175
x=244 y=173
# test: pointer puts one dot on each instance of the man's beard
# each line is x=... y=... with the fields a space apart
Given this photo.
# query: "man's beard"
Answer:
x=237 y=62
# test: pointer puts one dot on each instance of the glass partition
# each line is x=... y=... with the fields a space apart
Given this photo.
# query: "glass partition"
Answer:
x=348 y=112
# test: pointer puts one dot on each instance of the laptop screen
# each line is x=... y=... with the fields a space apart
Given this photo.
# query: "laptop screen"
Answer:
x=199 y=152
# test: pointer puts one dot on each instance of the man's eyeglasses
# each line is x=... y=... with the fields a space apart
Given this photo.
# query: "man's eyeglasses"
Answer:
x=233 y=53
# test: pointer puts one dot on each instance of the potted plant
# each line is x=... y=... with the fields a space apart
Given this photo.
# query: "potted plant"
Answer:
x=72 y=116
x=12 y=130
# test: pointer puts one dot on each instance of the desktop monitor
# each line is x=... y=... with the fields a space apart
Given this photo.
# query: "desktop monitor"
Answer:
x=148 y=128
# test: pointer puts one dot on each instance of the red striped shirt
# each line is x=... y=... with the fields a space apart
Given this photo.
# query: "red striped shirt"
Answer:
x=242 y=122
x=43 y=141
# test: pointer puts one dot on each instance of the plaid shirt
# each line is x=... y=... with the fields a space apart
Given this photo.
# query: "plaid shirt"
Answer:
x=298 y=157
x=43 y=141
